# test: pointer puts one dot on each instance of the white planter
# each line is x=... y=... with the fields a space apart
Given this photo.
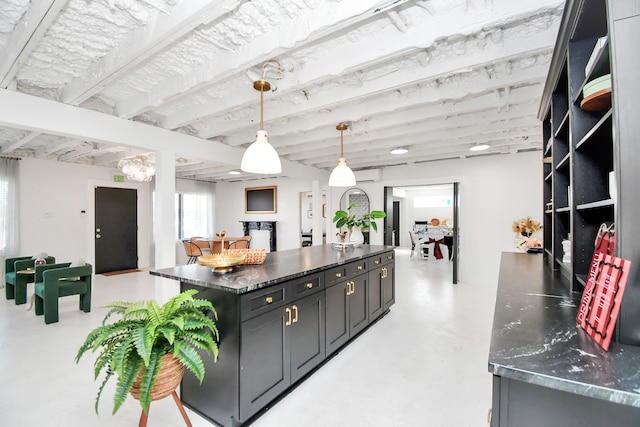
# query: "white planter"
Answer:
x=356 y=237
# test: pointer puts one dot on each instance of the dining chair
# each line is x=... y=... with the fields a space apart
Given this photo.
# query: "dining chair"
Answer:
x=193 y=251
x=242 y=243
x=203 y=244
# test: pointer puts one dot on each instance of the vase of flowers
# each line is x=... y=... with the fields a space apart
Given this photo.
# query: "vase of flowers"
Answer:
x=524 y=228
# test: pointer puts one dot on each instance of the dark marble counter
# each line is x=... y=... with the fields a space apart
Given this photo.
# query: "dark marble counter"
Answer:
x=535 y=337
x=278 y=267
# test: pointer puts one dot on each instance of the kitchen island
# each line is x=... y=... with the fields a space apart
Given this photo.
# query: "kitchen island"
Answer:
x=281 y=320
x=546 y=370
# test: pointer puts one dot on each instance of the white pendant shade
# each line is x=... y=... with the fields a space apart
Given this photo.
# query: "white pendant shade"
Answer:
x=261 y=157
x=342 y=175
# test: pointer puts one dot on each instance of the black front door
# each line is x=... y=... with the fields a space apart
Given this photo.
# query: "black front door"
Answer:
x=116 y=233
x=389 y=220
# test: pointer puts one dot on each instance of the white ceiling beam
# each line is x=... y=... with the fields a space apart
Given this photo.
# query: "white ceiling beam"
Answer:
x=82 y=151
x=467 y=86
x=379 y=47
x=325 y=18
x=110 y=158
x=20 y=143
x=389 y=136
x=53 y=147
x=25 y=36
x=27 y=112
x=139 y=45
x=418 y=136
x=409 y=109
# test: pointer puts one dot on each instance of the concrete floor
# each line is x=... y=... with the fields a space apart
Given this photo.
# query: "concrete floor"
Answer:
x=423 y=364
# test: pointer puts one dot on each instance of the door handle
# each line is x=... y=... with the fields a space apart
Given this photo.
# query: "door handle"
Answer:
x=288 y=311
x=98 y=236
x=348 y=287
x=295 y=309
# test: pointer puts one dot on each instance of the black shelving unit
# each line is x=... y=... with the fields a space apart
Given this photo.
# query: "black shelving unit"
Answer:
x=589 y=149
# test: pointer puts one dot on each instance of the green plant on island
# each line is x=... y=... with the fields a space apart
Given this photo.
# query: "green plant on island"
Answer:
x=344 y=218
x=135 y=344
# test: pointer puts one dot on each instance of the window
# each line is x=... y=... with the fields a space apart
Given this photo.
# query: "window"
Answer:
x=193 y=215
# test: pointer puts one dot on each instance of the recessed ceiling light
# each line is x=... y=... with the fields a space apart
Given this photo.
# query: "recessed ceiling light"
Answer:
x=399 y=151
x=234 y=172
x=479 y=147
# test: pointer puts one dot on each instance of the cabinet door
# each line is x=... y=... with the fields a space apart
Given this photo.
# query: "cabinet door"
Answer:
x=306 y=335
x=337 y=316
x=389 y=286
x=358 y=313
x=376 y=302
x=264 y=361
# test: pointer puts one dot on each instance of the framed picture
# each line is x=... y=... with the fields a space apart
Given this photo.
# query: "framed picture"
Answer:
x=260 y=200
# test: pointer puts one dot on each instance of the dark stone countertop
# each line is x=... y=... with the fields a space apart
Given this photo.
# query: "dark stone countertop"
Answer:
x=536 y=339
x=278 y=267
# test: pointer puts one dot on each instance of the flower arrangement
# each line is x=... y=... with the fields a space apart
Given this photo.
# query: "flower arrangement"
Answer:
x=526 y=227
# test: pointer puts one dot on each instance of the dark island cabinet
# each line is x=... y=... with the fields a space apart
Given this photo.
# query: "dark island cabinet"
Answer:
x=346 y=303
x=280 y=321
x=278 y=348
x=381 y=284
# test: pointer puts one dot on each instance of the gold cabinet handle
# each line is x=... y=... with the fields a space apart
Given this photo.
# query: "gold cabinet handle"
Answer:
x=360 y=267
x=389 y=257
x=338 y=274
x=309 y=285
x=376 y=261
x=269 y=300
x=348 y=287
x=288 y=311
x=295 y=309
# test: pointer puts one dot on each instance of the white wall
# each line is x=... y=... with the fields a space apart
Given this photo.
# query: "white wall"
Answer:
x=494 y=191
x=52 y=198
x=230 y=209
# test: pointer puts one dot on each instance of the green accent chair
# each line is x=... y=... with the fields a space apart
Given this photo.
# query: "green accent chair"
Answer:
x=60 y=280
x=15 y=283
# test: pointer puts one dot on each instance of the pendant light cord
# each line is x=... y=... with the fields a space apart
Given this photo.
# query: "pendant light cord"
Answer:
x=261 y=110
x=341 y=144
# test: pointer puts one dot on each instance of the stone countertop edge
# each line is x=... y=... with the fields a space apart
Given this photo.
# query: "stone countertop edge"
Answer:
x=535 y=337
x=278 y=267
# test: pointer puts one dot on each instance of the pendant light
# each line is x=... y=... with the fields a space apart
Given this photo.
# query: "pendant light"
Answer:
x=261 y=157
x=342 y=175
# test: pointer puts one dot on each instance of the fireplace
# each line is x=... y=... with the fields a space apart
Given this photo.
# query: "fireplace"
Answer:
x=269 y=226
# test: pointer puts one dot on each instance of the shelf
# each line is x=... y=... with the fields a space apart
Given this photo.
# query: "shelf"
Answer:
x=582 y=279
x=600 y=68
x=547 y=251
x=562 y=124
x=588 y=137
x=565 y=209
x=596 y=205
x=548 y=177
x=564 y=162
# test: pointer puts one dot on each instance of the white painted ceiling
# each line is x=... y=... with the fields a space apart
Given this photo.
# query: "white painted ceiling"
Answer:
x=434 y=76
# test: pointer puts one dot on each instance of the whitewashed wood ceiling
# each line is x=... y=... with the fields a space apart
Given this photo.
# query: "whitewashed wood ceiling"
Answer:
x=432 y=76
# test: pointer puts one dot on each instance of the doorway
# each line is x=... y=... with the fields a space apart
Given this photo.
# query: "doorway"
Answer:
x=425 y=207
x=116 y=229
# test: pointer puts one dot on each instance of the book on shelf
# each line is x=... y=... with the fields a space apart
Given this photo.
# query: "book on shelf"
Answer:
x=602 y=41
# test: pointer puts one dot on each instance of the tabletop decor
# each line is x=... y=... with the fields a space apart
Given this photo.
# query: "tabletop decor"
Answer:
x=357 y=223
x=148 y=348
x=524 y=229
x=224 y=261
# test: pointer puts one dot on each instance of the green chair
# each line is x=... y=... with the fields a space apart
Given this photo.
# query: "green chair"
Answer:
x=15 y=280
x=60 y=280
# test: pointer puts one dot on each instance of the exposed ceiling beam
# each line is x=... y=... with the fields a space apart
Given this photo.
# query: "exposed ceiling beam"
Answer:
x=19 y=143
x=144 y=42
x=324 y=19
x=25 y=36
x=378 y=48
x=21 y=111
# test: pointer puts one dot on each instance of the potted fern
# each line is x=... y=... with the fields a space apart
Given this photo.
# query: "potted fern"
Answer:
x=357 y=223
x=149 y=344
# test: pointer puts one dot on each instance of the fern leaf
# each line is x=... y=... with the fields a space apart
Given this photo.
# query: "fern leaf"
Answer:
x=126 y=380
x=190 y=359
x=149 y=379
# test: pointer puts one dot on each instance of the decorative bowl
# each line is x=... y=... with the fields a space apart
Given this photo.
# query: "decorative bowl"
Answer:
x=221 y=263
